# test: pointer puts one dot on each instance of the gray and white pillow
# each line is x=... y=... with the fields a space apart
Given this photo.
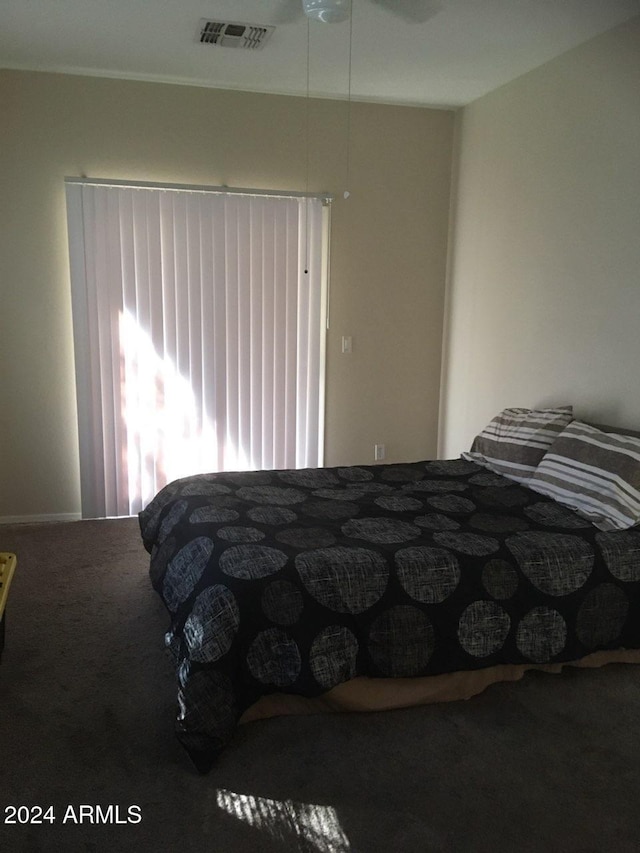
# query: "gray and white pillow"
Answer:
x=597 y=474
x=515 y=441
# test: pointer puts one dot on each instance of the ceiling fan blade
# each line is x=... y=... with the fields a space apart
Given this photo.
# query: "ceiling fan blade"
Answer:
x=415 y=11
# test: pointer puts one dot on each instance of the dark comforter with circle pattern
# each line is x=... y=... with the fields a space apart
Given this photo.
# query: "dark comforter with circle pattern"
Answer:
x=298 y=580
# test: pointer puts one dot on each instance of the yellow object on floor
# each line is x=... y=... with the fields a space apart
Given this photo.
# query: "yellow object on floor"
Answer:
x=7 y=568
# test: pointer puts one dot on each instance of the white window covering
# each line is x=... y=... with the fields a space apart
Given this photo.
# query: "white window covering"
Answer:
x=199 y=327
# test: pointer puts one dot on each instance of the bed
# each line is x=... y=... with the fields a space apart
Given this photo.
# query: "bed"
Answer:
x=386 y=585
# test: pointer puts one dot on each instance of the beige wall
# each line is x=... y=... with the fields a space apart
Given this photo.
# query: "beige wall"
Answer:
x=544 y=290
x=388 y=250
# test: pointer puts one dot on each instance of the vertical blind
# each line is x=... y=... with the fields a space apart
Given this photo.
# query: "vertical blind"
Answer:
x=199 y=321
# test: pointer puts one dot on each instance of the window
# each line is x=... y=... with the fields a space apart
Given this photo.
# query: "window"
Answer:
x=199 y=328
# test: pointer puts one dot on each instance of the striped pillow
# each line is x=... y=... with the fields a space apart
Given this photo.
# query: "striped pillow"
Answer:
x=595 y=473
x=515 y=441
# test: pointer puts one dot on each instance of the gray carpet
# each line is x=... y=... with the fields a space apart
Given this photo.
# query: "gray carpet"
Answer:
x=86 y=718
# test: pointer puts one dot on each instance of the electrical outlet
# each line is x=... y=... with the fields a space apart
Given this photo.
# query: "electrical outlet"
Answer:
x=378 y=452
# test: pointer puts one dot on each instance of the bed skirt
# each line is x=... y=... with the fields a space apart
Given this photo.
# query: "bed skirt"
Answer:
x=383 y=694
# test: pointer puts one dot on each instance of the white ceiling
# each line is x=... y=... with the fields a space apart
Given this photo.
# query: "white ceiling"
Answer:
x=422 y=52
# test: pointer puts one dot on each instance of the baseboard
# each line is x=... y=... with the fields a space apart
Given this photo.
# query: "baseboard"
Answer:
x=40 y=519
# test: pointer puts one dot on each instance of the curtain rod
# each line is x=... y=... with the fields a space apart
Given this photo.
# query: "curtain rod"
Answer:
x=326 y=198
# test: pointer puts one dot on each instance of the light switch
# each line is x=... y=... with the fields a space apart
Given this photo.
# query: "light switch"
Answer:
x=346 y=344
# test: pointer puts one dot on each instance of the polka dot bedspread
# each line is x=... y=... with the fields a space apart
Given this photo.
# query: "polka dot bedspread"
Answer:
x=298 y=580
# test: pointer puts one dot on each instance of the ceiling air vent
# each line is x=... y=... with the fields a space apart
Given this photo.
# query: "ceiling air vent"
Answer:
x=225 y=34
